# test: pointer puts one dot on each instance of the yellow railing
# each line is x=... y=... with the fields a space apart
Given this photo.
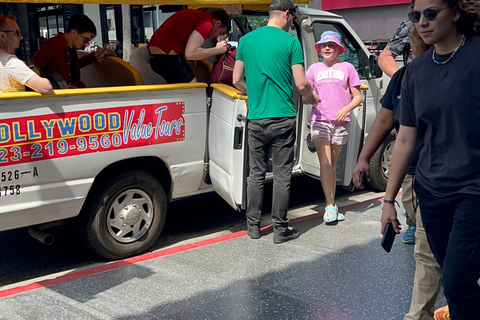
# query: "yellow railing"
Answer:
x=229 y=90
x=83 y=91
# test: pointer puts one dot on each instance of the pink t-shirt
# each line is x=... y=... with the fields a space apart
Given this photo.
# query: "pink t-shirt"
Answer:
x=332 y=84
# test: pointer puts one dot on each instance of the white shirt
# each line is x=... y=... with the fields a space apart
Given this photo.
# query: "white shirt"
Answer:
x=13 y=73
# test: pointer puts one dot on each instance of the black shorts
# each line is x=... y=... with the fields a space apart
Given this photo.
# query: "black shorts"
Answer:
x=173 y=68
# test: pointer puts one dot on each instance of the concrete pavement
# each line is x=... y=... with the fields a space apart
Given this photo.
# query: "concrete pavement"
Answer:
x=329 y=272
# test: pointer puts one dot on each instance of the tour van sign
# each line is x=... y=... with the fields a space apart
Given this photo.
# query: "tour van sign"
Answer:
x=35 y=138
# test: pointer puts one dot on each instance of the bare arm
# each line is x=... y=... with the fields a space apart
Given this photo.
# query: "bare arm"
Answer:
x=401 y=157
x=40 y=85
x=239 y=75
x=302 y=84
x=341 y=115
x=194 y=50
x=356 y=100
x=381 y=127
x=387 y=63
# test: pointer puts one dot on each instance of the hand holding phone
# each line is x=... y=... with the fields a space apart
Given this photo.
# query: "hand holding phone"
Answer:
x=363 y=178
x=388 y=237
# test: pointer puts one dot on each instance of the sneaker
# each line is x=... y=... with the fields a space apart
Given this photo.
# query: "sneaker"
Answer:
x=340 y=216
x=254 y=232
x=442 y=314
x=330 y=214
x=285 y=236
x=409 y=236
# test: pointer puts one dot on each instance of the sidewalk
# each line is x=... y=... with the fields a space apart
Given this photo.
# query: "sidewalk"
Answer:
x=330 y=272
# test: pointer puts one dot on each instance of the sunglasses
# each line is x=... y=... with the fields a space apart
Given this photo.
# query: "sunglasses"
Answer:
x=15 y=32
x=430 y=14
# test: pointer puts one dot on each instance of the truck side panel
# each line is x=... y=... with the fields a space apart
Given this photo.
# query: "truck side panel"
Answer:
x=53 y=147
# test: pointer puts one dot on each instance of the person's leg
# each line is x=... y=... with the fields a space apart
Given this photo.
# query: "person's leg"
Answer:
x=437 y=218
x=461 y=267
x=428 y=274
x=258 y=148
x=452 y=225
x=335 y=148
x=338 y=139
x=283 y=131
x=409 y=204
x=408 y=201
x=173 y=68
x=324 y=152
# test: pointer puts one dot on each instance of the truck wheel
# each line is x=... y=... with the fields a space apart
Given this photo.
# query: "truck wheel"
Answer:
x=380 y=164
x=126 y=216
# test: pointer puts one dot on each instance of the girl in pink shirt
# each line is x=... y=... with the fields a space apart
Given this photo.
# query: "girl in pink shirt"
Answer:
x=335 y=82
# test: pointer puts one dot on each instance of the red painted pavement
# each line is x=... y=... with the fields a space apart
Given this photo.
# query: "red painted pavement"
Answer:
x=156 y=254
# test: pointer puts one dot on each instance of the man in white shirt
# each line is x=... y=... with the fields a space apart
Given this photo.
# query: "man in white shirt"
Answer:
x=14 y=74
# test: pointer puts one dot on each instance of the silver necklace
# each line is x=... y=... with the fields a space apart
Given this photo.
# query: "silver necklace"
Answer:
x=451 y=56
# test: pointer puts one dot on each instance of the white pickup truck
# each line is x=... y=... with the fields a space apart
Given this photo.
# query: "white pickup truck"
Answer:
x=110 y=158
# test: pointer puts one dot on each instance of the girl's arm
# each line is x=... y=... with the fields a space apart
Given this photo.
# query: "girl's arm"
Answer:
x=401 y=157
x=356 y=100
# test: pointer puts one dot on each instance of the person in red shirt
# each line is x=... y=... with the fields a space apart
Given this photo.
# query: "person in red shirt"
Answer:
x=59 y=54
x=181 y=37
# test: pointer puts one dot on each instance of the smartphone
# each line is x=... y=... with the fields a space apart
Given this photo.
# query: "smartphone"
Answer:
x=388 y=237
x=362 y=178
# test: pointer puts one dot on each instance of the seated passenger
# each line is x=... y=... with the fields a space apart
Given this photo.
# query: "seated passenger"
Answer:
x=59 y=54
x=14 y=73
x=181 y=37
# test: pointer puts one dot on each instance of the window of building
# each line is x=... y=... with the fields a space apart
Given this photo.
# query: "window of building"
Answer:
x=111 y=24
x=50 y=21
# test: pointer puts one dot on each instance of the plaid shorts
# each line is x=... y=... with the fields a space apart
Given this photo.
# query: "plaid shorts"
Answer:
x=336 y=133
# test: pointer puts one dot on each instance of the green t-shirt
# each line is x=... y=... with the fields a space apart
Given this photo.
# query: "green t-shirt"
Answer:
x=269 y=54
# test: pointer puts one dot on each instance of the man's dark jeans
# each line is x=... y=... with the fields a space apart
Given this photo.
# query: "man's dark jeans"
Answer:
x=277 y=135
x=452 y=224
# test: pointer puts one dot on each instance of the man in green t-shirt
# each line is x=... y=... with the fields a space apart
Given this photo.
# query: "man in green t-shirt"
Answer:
x=271 y=58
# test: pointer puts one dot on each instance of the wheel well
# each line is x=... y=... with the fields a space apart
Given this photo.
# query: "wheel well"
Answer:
x=152 y=165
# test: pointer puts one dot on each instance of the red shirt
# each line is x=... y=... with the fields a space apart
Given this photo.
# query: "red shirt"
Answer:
x=54 y=56
x=173 y=34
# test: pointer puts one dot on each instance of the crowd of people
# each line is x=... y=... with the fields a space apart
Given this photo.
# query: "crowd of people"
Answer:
x=432 y=102
x=436 y=131
x=174 y=50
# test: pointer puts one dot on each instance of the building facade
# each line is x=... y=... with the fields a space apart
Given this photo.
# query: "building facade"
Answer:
x=371 y=19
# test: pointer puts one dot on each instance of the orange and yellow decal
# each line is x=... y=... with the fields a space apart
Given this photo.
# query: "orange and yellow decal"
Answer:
x=67 y=134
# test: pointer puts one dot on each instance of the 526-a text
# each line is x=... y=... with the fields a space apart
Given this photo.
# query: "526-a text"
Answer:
x=10 y=175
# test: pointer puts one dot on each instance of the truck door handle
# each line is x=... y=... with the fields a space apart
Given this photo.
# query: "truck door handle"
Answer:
x=238 y=138
x=241 y=118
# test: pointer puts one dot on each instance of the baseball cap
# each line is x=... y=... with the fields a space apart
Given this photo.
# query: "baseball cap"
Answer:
x=330 y=36
x=284 y=5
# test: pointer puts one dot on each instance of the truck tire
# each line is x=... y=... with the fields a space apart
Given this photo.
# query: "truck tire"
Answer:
x=125 y=216
x=380 y=164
